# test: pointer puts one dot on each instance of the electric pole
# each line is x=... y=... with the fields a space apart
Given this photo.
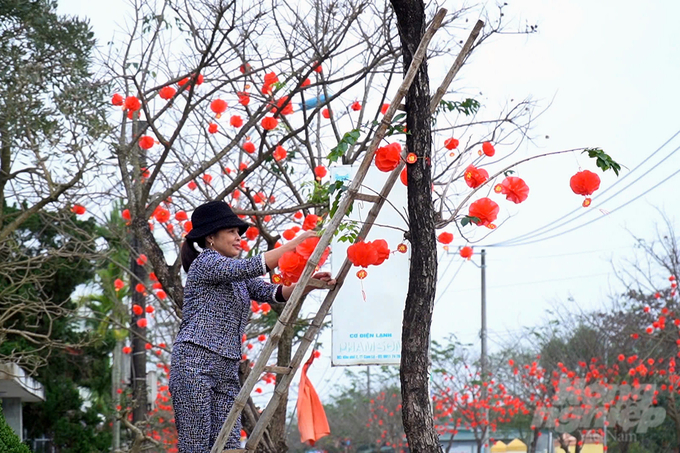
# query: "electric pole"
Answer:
x=485 y=438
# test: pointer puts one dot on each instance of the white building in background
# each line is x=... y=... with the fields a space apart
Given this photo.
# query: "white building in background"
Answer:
x=16 y=388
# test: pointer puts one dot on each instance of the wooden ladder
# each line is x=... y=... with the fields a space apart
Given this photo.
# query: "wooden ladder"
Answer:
x=350 y=196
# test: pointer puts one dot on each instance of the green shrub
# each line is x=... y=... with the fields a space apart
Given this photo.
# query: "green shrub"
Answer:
x=9 y=441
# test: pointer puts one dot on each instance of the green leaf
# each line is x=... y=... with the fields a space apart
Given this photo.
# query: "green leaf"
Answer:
x=469 y=219
x=603 y=160
x=508 y=173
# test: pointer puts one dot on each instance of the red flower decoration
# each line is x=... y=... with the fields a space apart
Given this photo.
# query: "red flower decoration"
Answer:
x=212 y=128
x=207 y=178
x=270 y=78
x=132 y=103
x=362 y=254
x=288 y=109
x=118 y=284
x=466 y=252
x=356 y=106
x=142 y=323
x=243 y=98
x=288 y=234
x=127 y=349
x=515 y=189
x=141 y=260
x=269 y=123
x=78 y=209
x=188 y=226
x=475 y=177
x=292 y=264
x=387 y=157
x=445 y=237
x=117 y=99
x=404 y=177
x=137 y=309
x=382 y=249
x=326 y=113
x=181 y=216
x=485 y=209
x=584 y=183
x=310 y=222
x=384 y=108
x=161 y=214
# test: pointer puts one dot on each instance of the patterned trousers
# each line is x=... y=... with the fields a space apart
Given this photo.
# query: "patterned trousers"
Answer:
x=203 y=386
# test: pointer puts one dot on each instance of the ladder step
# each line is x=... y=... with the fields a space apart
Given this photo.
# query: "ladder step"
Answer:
x=277 y=369
x=365 y=197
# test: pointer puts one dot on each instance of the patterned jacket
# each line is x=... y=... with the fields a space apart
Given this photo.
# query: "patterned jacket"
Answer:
x=217 y=299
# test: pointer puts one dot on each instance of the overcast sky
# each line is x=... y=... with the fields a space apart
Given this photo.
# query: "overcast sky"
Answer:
x=611 y=70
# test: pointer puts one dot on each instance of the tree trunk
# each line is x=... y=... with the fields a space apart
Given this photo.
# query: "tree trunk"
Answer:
x=417 y=410
x=139 y=397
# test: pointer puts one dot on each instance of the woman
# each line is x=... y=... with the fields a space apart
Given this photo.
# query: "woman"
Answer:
x=205 y=357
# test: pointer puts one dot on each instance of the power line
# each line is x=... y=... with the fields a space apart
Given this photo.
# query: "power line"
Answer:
x=551 y=225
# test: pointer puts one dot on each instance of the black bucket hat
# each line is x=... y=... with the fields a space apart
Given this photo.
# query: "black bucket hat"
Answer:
x=213 y=216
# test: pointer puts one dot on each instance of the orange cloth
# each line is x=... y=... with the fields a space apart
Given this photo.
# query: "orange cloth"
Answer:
x=312 y=421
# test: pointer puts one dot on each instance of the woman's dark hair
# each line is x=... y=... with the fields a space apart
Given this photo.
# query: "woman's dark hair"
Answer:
x=188 y=252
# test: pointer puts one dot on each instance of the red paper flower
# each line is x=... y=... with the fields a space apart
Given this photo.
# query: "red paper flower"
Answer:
x=362 y=254
x=584 y=183
x=243 y=98
x=261 y=338
x=270 y=78
x=118 y=284
x=249 y=147
x=161 y=214
x=137 y=309
x=289 y=234
x=192 y=185
x=382 y=250
x=117 y=99
x=207 y=178
x=515 y=189
x=356 y=106
x=445 y=237
x=269 y=123
x=310 y=222
x=142 y=323
x=265 y=307
x=212 y=128
x=167 y=93
x=451 y=143
x=320 y=171
x=236 y=121
x=218 y=106
x=298 y=215
x=146 y=142
x=387 y=157
x=127 y=349
x=188 y=226
x=292 y=264
x=161 y=295
x=488 y=149
x=475 y=177
x=140 y=288
x=384 y=108
x=141 y=260
x=485 y=209
x=252 y=233
x=326 y=113
x=404 y=177
x=181 y=216
x=306 y=83
x=306 y=248
x=466 y=252
x=288 y=109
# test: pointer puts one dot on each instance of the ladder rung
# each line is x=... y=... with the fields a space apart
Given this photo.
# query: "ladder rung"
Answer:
x=277 y=369
x=365 y=197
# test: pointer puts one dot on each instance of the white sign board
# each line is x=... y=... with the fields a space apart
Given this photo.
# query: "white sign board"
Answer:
x=368 y=332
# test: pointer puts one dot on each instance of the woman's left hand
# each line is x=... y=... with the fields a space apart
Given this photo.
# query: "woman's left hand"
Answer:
x=324 y=277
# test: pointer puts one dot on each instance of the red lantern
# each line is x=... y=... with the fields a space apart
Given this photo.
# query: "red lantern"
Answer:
x=306 y=83
x=387 y=157
x=132 y=103
x=584 y=183
x=78 y=209
x=382 y=250
x=127 y=349
x=162 y=215
x=249 y=147
x=149 y=309
x=279 y=153
x=306 y=248
x=485 y=209
x=451 y=143
x=261 y=338
x=146 y=142
x=139 y=288
x=243 y=98
x=188 y=226
x=356 y=106
x=236 y=121
x=118 y=284
x=167 y=93
x=252 y=233
x=207 y=178
x=181 y=216
x=265 y=307
x=212 y=128
x=475 y=177
x=288 y=109
x=384 y=108
x=404 y=177
x=326 y=113
x=310 y=222
x=269 y=123
x=362 y=254
x=320 y=171
x=270 y=78
x=288 y=234
x=142 y=323
x=488 y=149
x=141 y=260
x=362 y=274
x=292 y=264
x=515 y=189
x=298 y=215
x=445 y=237
x=117 y=99
x=218 y=106
x=411 y=158
x=402 y=248
x=466 y=252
